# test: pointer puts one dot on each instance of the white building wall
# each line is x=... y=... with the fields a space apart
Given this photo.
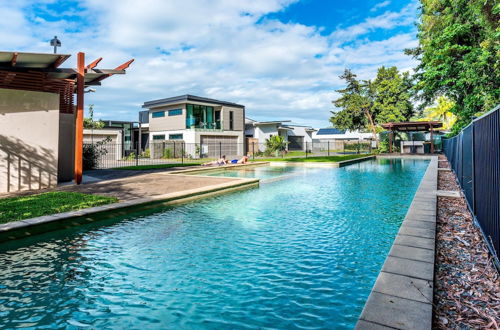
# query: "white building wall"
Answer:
x=29 y=140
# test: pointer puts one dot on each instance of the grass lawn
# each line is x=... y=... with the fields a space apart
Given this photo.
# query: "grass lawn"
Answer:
x=318 y=159
x=24 y=207
x=155 y=167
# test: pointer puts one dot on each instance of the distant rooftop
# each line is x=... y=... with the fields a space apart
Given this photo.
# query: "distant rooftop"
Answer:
x=187 y=98
x=330 y=131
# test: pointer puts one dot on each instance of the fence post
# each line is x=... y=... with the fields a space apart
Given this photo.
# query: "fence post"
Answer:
x=473 y=138
x=253 y=150
x=173 y=156
x=201 y=147
x=328 y=147
x=182 y=152
x=306 y=149
x=220 y=149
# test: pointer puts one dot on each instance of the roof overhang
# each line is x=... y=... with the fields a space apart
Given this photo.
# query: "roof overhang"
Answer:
x=187 y=98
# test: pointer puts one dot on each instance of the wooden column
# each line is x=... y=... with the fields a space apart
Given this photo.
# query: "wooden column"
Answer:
x=432 y=140
x=80 y=85
x=391 y=134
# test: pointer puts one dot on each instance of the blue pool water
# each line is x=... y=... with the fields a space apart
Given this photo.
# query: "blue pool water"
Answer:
x=302 y=252
x=260 y=172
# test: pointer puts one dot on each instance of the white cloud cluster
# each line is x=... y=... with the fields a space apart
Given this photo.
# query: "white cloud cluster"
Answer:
x=224 y=49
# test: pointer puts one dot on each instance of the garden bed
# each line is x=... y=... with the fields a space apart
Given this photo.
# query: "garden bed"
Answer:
x=467 y=286
x=446 y=181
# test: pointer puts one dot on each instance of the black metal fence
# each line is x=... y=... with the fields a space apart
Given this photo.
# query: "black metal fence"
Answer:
x=105 y=155
x=474 y=156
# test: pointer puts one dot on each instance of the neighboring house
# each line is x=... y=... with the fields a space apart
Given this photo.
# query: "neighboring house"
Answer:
x=300 y=137
x=296 y=136
x=113 y=144
x=340 y=137
x=329 y=134
x=207 y=127
x=257 y=132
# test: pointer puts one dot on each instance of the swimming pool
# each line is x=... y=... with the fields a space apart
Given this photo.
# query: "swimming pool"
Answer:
x=259 y=172
x=300 y=252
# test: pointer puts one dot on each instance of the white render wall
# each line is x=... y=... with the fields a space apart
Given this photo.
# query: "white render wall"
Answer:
x=29 y=140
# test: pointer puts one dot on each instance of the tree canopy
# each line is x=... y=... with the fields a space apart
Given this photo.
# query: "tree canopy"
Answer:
x=364 y=104
x=459 y=55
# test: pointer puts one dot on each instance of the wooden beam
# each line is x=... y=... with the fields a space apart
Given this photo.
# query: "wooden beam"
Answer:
x=80 y=85
x=13 y=61
x=93 y=64
x=124 y=65
x=59 y=61
x=120 y=67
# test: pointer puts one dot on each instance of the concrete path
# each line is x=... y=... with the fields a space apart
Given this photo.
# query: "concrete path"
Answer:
x=146 y=185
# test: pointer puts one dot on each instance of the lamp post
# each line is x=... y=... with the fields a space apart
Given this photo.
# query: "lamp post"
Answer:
x=56 y=43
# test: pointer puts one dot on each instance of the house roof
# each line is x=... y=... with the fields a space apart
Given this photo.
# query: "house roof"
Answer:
x=330 y=131
x=187 y=98
x=21 y=62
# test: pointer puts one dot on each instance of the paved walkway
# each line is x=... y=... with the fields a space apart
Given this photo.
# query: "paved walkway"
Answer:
x=146 y=185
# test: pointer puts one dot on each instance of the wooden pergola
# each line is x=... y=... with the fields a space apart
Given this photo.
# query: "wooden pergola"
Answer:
x=41 y=72
x=412 y=126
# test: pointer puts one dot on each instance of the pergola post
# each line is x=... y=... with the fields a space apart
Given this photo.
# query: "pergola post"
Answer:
x=391 y=136
x=80 y=85
x=432 y=139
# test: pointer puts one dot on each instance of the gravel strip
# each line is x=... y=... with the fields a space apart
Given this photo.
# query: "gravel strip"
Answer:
x=467 y=286
x=446 y=181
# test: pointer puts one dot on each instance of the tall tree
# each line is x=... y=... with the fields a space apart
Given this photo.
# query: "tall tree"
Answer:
x=365 y=104
x=459 y=53
x=392 y=95
x=356 y=102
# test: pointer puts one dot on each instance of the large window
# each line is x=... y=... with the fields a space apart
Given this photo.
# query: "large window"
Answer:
x=175 y=137
x=231 y=120
x=175 y=112
x=159 y=137
x=158 y=114
x=200 y=116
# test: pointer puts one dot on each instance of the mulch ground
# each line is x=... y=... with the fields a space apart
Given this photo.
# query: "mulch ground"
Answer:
x=446 y=181
x=467 y=286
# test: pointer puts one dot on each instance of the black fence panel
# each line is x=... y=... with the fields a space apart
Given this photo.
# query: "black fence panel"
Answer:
x=467 y=164
x=474 y=156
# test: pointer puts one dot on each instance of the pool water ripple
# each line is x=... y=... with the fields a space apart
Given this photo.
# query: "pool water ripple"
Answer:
x=298 y=253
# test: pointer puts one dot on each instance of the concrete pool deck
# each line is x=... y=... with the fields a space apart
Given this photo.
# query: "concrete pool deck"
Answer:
x=403 y=292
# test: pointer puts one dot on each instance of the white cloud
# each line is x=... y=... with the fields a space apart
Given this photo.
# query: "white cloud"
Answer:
x=223 y=49
x=380 y=5
x=387 y=21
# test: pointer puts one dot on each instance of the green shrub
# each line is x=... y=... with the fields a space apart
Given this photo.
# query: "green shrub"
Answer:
x=167 y=153
x=92 y=153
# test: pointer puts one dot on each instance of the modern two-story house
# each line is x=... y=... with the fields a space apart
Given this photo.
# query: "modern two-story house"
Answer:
x=207 y=127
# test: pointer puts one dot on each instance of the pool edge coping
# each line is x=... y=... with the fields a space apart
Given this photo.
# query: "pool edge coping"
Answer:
x=22 y=226
x=323 y=164
x=402 y=296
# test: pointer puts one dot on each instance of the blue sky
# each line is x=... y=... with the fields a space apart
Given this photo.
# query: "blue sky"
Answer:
x=280 y=58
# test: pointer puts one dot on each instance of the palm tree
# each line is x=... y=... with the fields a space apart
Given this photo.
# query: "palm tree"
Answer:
x=441 y=112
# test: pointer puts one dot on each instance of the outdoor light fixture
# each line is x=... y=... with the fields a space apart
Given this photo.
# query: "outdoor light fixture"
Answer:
x=56 y=43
